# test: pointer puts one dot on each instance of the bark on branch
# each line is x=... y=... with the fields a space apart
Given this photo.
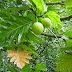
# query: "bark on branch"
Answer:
x=51 y=35
x=55 y=3
x=68 y=53
x=66 y=18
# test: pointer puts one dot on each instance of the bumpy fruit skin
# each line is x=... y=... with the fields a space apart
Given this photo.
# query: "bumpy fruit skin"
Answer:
x=37 y=28
x=46 y=22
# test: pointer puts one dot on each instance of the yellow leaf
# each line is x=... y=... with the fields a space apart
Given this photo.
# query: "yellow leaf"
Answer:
x=19 y=57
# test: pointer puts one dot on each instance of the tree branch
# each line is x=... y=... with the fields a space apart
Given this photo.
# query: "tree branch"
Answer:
x=55 y=3
x=68 y=53
x=51 y=35
x=66 y=18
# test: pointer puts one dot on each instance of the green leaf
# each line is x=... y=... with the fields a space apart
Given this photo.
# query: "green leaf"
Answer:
x=68 y=32
x=65 y=49
x=69 y=42
x=11 y=26
x=68 y=46
x=55 y=18
x=65 y=63
x=54 y=8
x=15 y=9
x=8 y=46
x=11 y=0
x=24 y=32
x=26 y=68
x=40 y=66
x=0 y=58
x=55 y=0
x=68 y=3
x=33 y=38
x=40 y=5
x=11 y=68
x=46 y=0
x=29 y=15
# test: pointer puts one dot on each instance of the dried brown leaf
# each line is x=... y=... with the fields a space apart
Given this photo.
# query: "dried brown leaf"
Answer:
x=19 y=57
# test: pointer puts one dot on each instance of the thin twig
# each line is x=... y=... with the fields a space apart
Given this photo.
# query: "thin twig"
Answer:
x=48 y=35
x=55 y=3
x=68 y=53
x=66 y=18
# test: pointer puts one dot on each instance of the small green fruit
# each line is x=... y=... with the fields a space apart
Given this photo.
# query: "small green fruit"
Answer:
x=46 y=22
x=37 y=28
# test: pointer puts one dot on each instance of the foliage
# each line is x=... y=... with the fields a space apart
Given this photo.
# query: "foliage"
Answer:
x=51 y=51
x=55 y=18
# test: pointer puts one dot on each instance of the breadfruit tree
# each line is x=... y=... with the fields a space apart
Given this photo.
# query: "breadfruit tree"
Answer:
x=35 y=35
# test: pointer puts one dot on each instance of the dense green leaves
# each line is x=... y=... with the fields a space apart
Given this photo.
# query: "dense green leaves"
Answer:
x=15 y=8
x=12 y=25
x=39 y=4
x=16 y=20
x=0 y=58
x=65 y=58
x=40 y=7
x=68 y=33
x=11 y=68
x=26 y=68
x=52 y=0
x=55 y=0
x=39 y=66
x=34 y=38
x=68 y=3
x=65 y=63
x=36 y=68
x=29 y=15
x=29 y=48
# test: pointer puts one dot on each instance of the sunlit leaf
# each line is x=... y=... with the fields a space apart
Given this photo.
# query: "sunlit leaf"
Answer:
x=65 y=63
x=55 y=18
x=68 y=3
x=40 y=66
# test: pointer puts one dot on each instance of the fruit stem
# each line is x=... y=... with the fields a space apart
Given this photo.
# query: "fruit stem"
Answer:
x=55 y=36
